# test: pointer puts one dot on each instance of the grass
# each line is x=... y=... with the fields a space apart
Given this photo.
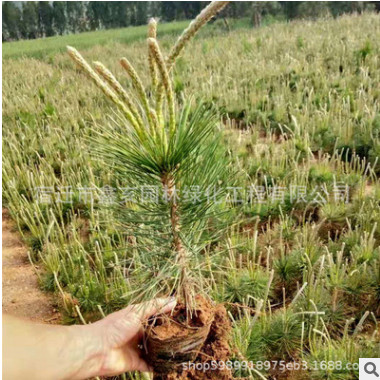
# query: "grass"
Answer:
x=47 y=47
x=297 y=118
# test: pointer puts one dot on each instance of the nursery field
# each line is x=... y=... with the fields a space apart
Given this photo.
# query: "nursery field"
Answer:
x=294 y=250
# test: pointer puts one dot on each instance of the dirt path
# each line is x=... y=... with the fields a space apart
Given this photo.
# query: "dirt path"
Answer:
x=22 y=295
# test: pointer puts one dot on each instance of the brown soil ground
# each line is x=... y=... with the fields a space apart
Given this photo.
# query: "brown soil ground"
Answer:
x=22 y=296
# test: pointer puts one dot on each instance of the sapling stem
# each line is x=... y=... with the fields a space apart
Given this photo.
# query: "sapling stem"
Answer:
x=185 y=288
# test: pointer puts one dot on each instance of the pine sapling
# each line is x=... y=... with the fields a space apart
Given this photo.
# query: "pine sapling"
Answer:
x=174 y=148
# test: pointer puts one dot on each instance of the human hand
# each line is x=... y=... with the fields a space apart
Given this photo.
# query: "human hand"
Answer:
x=111 y=344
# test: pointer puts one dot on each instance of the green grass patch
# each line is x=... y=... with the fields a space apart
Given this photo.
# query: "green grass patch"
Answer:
x=45 y=47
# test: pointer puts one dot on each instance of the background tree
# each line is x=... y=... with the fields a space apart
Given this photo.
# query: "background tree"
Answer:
x=93 y=12
x=45 y=19
x=154 y=9
x=191 y=9
x=141 y=12
x=30 y=19
x=29 y=25
x=290 y=8
x=168 y=10
x=260 y=8
x=59 y=16
x=106 y=16
x=121 y=13
x=339 y=7
x=11 y=21
x=235 y=9
x=313 y=9
x=74 y=13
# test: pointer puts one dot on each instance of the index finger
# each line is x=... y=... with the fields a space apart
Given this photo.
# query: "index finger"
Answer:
x=147 y=309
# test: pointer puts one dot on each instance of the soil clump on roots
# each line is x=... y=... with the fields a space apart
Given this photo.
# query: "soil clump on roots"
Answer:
x=181 y=348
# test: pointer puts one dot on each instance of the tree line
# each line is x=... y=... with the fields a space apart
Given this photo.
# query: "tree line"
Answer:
x=36 y=19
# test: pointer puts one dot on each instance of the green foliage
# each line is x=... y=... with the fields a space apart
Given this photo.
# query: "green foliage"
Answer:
x=345 y=352
x=289 y=267
x=278 y=336
x=195 y=160
x=244 y=286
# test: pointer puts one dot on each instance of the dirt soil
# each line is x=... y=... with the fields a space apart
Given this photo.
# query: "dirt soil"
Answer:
x=22 y=296
x=215 y=349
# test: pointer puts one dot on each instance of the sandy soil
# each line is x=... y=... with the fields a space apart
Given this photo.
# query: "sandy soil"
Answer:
x=22 y=295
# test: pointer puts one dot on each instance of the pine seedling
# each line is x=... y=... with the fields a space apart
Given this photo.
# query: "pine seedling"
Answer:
x=172 y=150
